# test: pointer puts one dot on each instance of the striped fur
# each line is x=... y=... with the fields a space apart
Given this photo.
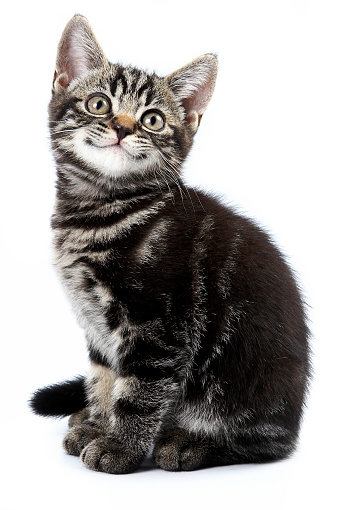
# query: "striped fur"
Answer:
x=194 y=324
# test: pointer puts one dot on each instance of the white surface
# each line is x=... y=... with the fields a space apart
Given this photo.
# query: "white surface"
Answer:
x=269 y=142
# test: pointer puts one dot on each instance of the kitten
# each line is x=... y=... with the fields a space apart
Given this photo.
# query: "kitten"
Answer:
x=194 y=324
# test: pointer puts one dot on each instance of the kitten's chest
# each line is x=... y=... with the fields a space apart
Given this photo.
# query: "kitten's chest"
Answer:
x=104 y=268
x=77 y=268
x=83 y=272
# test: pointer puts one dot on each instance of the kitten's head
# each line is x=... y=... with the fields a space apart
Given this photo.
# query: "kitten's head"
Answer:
x=118 y=121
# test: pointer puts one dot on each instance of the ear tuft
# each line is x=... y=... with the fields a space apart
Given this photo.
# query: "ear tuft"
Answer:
x=193 y=85
x=78 y=53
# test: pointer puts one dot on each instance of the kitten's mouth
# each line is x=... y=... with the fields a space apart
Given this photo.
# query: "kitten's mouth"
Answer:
x=115 y=147
x=106 y=145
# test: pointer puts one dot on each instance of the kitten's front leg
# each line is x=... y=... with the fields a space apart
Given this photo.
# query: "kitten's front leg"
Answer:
x=136 y=410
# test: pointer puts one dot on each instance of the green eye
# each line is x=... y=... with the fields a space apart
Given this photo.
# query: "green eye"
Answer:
x=98 y=104
x=153 y=120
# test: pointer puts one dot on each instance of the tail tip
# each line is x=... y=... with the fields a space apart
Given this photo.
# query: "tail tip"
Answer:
x=59 y=400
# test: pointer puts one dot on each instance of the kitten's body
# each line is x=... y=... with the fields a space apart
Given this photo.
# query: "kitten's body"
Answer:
x=194 y=325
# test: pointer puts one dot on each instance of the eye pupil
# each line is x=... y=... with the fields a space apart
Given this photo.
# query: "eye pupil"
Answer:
x=153 y=120
x=98 y=105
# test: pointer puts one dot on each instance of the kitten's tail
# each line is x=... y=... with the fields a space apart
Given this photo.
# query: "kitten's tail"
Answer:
x=61 y=399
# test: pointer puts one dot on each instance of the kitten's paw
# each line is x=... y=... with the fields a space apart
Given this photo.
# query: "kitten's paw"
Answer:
x=78 y=437
x=107 y=455
x=178 y=452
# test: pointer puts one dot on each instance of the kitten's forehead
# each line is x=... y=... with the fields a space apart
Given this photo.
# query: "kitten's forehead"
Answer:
x=130 y=76
x=128 y=84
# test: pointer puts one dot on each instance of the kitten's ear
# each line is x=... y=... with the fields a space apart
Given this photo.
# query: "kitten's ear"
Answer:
x=78 y=53
x=193 y=85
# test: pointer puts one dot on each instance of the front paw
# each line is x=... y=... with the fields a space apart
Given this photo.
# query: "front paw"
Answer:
x=80 y=436
x=107 y=455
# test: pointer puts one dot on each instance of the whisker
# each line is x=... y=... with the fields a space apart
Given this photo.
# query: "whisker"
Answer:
x=62 y=131
x=156 y=170
x=176 y=182
x=171 y=169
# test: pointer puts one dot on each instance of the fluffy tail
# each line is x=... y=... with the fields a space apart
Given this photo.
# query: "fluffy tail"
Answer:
x=61 y=399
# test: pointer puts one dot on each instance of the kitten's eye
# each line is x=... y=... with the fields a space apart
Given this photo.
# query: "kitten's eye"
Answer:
x=98 y=104
x=153 y=120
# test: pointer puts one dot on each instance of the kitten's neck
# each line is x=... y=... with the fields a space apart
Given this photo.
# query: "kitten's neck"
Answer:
x=77 y=183
x=80 y=195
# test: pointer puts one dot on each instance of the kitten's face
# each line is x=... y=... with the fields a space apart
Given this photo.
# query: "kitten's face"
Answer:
x=120 y=121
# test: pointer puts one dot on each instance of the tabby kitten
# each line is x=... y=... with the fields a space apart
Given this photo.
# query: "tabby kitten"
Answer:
x=194 y=324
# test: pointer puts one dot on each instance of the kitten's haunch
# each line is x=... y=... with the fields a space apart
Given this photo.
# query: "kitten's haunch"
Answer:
x=194 y=324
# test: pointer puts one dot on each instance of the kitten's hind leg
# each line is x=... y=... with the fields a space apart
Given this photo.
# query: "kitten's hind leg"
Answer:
x=179 y=450
x=81 y=432
x=79 y=417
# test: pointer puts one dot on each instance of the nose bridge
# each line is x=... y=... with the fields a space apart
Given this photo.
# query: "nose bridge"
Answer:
x=124 y=120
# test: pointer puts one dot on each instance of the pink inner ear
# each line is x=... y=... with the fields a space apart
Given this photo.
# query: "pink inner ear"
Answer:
x=78 y=58
x=199 y=100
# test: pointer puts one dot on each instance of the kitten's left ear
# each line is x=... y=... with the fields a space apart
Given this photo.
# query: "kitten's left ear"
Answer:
x=193 y=85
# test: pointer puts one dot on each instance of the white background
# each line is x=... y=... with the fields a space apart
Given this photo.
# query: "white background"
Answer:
x=268 y=143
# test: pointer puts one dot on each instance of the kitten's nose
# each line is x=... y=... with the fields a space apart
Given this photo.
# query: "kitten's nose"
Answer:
x=122 y=131
x=123 y=125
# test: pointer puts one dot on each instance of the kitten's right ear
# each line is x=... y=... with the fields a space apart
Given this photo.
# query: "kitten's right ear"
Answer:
x=78 y=53
x=193 y=85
